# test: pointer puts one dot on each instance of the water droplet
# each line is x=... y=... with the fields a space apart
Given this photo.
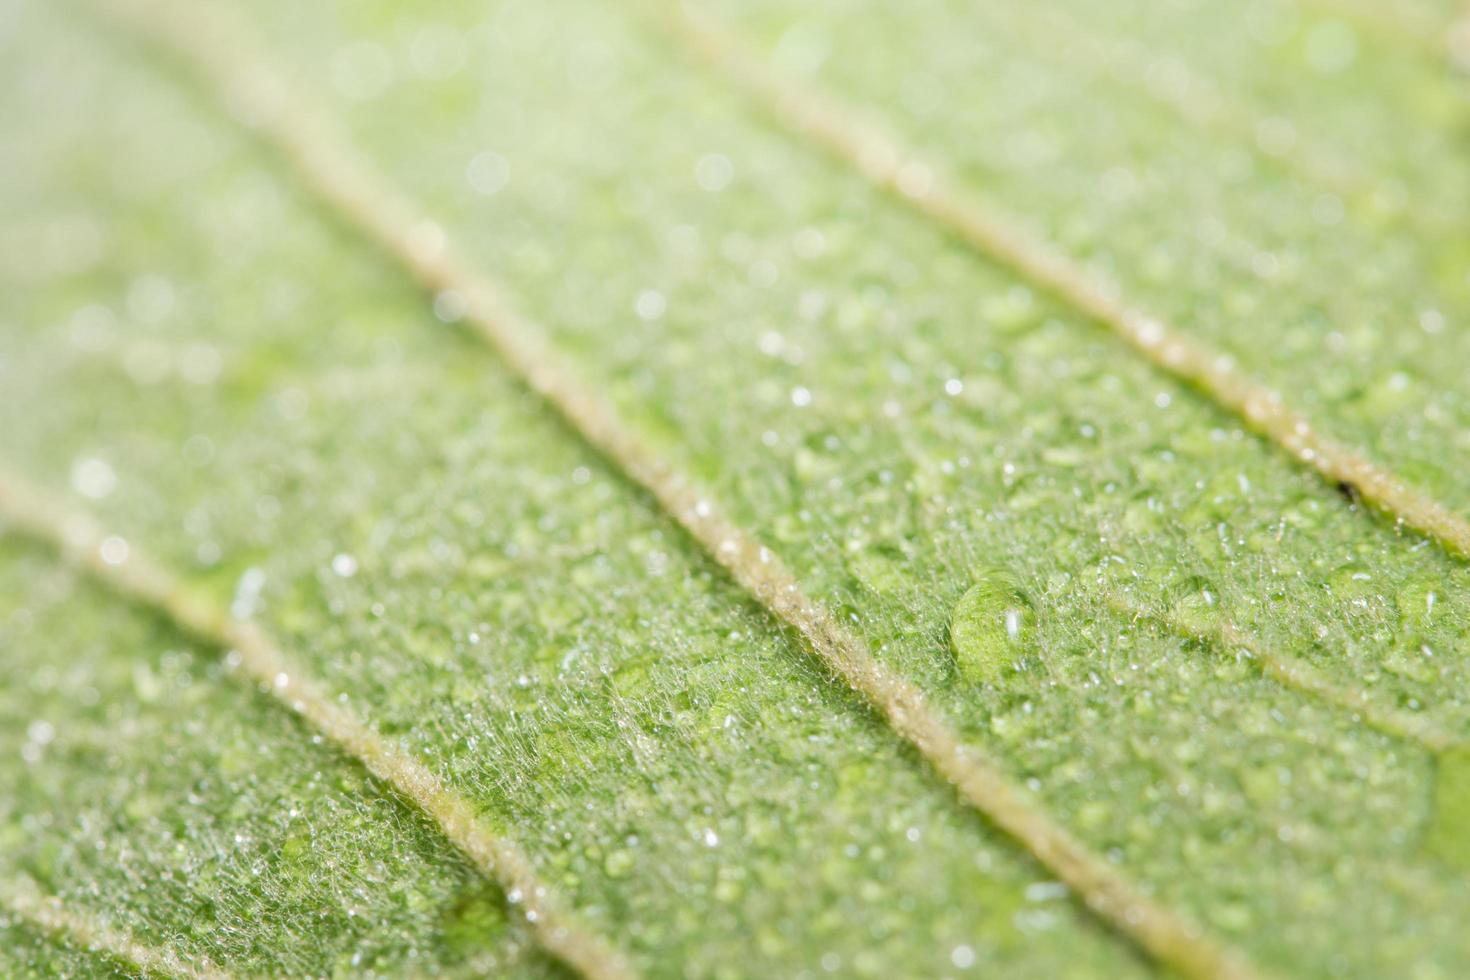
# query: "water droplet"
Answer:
x=93 y=478
x=1197 y=607
x=450 y=306
x=991 y=625
x=246 y=600
x=650 y=305
x=714 y=171
x=114 y=550
x=344 y=565
x=488 y=172
x=1045 y=891
x=1418 y=602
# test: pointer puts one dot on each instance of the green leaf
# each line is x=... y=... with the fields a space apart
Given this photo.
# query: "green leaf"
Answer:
x=1233 y=684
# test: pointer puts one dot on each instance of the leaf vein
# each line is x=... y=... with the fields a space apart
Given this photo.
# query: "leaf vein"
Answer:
x=894 y=168
x=325 y=164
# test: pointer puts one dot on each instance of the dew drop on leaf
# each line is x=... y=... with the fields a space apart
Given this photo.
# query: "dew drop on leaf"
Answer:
x=1196 y=606
x=991 y=626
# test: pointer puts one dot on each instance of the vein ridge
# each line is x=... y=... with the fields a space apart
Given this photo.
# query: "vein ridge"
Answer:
x=1298 y=675
x=892 y=167
x=325 y=164
x=128 y=571
x=24 y=900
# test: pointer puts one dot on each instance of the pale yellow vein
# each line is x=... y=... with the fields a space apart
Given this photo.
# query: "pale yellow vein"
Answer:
x=1296 y=674
x=22 y=899
x=327 y=166
x=889 y=165
x=124 y=568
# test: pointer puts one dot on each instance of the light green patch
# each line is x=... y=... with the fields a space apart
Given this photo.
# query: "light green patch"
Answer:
x=1447 y=836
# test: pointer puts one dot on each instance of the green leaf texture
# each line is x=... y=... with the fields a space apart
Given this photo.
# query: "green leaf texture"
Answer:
x=1241 y=686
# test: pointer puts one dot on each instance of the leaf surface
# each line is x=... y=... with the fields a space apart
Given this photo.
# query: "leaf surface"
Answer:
x=1077 y=558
